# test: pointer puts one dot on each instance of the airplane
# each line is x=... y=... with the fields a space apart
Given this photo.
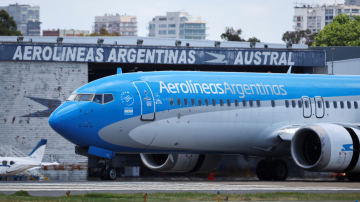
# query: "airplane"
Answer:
x=184 y=121
x=14 y=165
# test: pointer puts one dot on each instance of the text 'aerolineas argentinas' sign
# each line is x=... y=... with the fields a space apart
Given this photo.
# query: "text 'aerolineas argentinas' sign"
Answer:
x=161 y=55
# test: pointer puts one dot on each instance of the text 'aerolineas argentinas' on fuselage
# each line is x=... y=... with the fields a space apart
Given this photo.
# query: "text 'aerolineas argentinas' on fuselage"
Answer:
x=225 y=88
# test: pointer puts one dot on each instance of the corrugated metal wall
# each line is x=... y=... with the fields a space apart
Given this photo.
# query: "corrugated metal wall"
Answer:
x=30 y=91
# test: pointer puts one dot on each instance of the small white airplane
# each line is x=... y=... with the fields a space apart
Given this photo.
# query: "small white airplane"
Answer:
x=14 y=165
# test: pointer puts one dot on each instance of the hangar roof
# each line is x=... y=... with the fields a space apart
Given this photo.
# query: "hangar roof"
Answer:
x=147 y=41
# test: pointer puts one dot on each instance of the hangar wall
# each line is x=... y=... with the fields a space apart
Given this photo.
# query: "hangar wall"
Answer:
x=30 y=92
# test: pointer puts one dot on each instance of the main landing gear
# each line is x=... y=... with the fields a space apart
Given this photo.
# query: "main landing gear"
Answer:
x=353 y=177
x=269 y=169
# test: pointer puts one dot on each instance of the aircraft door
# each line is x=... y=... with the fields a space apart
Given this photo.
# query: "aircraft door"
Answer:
x=306 y=106
x=146 y=100
x=319 y=107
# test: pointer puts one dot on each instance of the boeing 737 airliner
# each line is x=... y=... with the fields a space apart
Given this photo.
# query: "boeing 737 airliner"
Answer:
x=186 y=121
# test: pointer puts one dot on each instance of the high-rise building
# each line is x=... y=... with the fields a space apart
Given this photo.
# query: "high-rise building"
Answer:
x=352 y=3
x=26 y=17
x=177 y=25
x=317 y=17
x=126 y=25
x=65 y=32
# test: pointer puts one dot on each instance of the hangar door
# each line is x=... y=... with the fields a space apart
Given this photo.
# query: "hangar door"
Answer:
x=146 y=101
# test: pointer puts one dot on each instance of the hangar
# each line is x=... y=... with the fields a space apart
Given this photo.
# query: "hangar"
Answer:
x=39 y=73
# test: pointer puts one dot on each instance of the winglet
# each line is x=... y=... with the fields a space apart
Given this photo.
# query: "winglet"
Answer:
x=289 y=70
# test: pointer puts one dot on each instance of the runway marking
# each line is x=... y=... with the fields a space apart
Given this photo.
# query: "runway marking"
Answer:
x=166 y=186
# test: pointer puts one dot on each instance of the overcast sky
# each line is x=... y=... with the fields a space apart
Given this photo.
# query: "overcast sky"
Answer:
x=264 y=19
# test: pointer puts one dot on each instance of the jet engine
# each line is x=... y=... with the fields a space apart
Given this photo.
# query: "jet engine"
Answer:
x=181 y=162
x=326 y=147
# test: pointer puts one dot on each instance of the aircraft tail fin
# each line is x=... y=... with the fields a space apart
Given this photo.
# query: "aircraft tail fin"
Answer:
x=38 y=153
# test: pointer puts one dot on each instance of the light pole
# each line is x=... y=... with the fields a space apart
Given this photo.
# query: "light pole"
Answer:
x=332 y=62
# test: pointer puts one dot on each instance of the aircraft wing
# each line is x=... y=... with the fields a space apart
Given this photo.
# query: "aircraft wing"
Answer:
x=287 y=133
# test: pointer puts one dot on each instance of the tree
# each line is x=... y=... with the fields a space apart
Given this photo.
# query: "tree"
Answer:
x=104 y=32
x=8 y=25
x=232 y=35
x=302 y=36
x=343 y=31
x=253 y=39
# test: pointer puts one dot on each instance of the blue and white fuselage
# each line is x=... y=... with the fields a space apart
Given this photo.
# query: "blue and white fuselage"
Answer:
x=203 y=112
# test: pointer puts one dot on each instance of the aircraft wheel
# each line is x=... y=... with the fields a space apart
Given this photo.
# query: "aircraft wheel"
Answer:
x=111 y=173
x=262 y=171
x=103 y=173
x=279 y=170
x=353 y=177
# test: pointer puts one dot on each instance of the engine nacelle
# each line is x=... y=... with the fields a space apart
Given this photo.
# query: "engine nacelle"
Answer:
x=181 y=162
x=326 y=147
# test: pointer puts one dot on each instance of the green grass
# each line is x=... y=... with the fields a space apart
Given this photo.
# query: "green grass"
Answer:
x=187 y=196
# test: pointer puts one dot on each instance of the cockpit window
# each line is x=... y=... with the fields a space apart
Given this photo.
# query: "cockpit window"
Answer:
x=108 y=98
x=4 y=163
x=84 y=97
x=71 y=97
x=98 y=98
x=12 y=162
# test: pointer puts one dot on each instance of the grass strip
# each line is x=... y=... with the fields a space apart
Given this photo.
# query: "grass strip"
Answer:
x=188 y=196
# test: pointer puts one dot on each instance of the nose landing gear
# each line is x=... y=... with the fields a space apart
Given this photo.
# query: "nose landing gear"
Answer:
x=108 y=173
x=268 y=170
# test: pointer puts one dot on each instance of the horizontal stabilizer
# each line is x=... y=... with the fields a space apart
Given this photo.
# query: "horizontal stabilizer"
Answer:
x=50 y=164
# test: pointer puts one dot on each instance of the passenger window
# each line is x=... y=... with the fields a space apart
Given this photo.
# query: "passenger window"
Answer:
x=171 y=102
x=12 y=162
x=228 y=102
x=98 y=98
x=251 y=103
x=244 y=102
x=206 y=102
x=342 y=104
x=192 y=101
x=200 y=102
x=84 y=97
x=186 y=103
x=306 y=104
x=349 y=104
x=287 y=103
x=299 y=103
x=273 y=103
x=319 y=104
x=335 y=104
x=213 y=102
x=327 y=104
x=236 y=103
x=221 y=102
x=355 y=105
x=4 y=163
x=108 y=98
x=178 y=101
x=258 y=103
x=293 y=103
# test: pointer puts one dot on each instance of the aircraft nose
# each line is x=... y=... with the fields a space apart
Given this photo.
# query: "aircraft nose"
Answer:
x=64 y=119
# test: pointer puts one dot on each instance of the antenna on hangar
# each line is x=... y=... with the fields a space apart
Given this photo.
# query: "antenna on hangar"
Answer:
x=289 y=70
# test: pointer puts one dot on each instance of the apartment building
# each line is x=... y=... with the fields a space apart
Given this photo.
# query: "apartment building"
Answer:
x=316 y=17
x=65 y=32
x=126 y=25
x=26 y=17
x=178 y=25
